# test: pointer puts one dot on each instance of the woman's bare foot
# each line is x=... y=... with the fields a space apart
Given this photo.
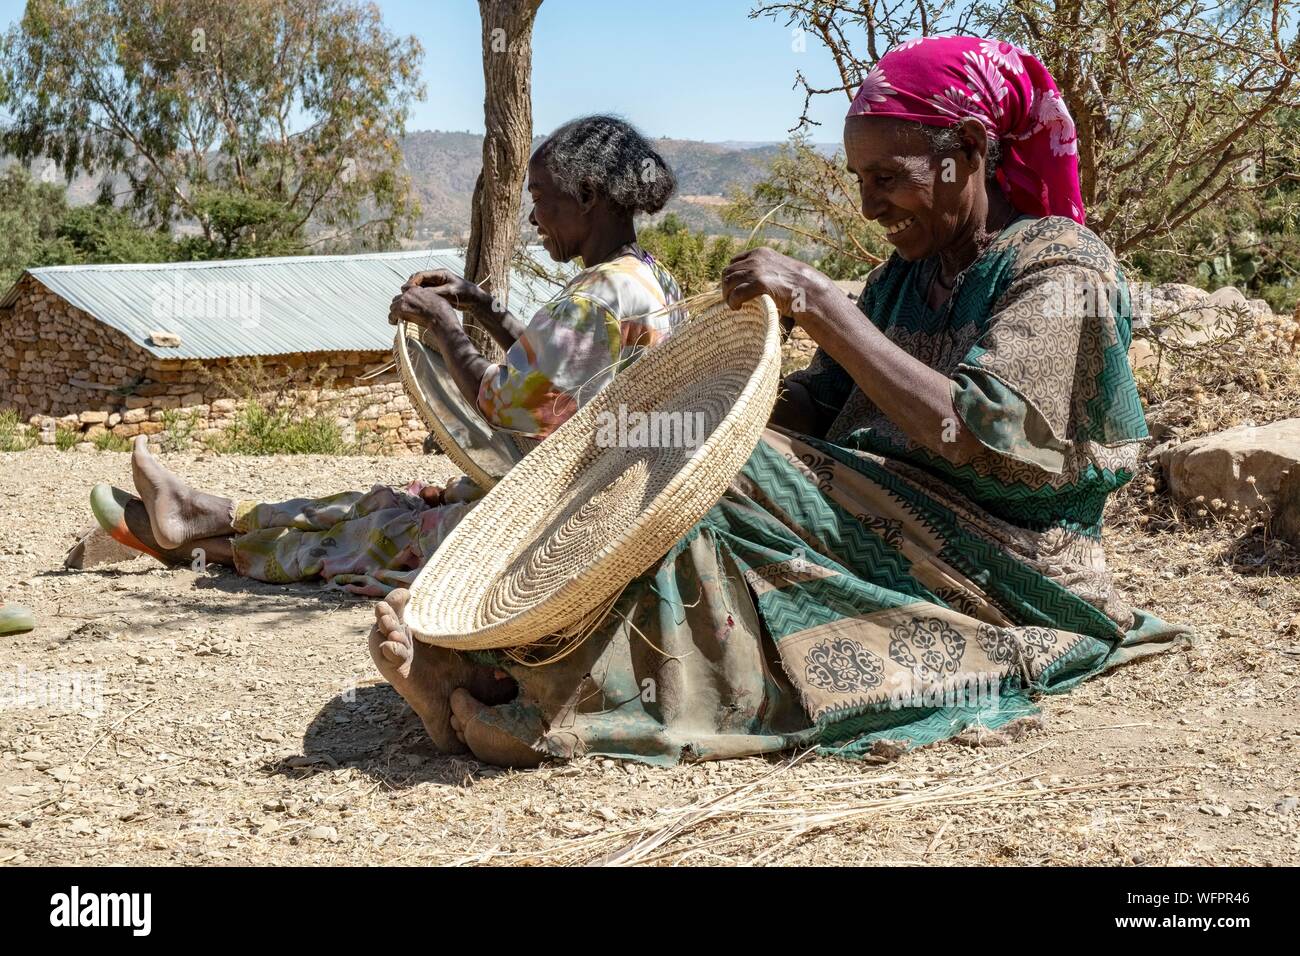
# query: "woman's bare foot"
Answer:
x=425 y=676
x=486 y=742
x=177 y=512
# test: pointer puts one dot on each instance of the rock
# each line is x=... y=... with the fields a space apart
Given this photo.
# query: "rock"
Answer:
x=390 y=421
x=114 y=419
x=328 y=834
x=164 y=340
x=1259 y=308
x=93 y=418
x=1286 y=512
x=137 y=402
x=151 y=428
x=1142 y=355
x=1214 y=317
x=1175 y=295
x=135 y=416
x=1245 y=465
x=1288 y=805
x=224 y=406
x=95 y=431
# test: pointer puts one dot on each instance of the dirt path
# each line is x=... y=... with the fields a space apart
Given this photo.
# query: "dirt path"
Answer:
x=242 y=722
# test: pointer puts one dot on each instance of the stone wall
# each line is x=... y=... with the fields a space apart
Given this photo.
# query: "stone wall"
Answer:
x=60 y=368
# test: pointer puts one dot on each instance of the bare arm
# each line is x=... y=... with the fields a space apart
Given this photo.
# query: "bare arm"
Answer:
x=911 y=394
x=914 y=396
x=423 y=306
x=503 y=326
x=474 y=301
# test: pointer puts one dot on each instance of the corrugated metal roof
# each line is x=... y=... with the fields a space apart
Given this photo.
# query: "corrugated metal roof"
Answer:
x=238 y=307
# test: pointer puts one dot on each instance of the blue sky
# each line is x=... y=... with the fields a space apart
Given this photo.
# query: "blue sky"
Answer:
x=691 y=69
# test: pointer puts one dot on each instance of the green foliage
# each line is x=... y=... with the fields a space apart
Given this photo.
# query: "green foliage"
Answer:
x=229 y=115
x=98 y=233
x=66 y=437
x=29 y=217
x=694 y=259
x=178 y=430
x=242 y=225
x=1187 y=140
x=38 y=228
x=259 y=430
x=812 y=199
x=275 y=417
x=15 y=435
x=107 y=441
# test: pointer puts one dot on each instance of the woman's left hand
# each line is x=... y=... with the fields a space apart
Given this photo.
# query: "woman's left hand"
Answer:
x=424 y=307
x=791 y=284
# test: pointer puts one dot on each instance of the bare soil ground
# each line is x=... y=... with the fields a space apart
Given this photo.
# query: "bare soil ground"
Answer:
x=243 y=723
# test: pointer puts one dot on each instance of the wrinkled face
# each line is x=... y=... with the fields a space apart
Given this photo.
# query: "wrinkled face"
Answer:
x=562 y=222
x=922 y=201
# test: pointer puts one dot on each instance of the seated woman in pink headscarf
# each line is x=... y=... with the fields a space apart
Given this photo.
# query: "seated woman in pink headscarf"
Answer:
x=916 y=547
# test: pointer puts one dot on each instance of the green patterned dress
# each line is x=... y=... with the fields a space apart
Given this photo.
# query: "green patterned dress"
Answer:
x=855 y=588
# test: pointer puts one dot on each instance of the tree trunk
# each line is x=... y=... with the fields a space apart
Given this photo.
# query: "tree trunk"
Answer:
x=508 y=117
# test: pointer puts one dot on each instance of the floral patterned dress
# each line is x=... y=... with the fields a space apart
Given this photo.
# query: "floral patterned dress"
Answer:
x=372 y=542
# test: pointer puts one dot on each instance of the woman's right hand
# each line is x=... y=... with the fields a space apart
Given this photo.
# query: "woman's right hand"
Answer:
x=458 y=292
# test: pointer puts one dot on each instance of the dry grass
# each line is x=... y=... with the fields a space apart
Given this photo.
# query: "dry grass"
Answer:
x=243 y=723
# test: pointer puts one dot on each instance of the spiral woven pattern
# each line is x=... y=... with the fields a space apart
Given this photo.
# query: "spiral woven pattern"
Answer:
x=569 y=526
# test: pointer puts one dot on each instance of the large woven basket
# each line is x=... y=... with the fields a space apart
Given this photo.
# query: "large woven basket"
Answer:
x=457 y=427
x=568 y=527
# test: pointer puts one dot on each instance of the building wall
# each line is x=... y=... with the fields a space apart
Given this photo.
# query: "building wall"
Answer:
x=60 y=367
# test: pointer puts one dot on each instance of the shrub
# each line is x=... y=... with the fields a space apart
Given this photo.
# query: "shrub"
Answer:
x=110 y=442
x=66 y=437
x=259 y=430
x=14 y=435
x=178 y=429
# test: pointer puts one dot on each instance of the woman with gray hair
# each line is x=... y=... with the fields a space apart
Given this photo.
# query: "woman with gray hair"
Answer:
x=587 y=180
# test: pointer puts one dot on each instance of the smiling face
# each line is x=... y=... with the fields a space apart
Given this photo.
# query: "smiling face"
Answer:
x=563 y=223
x=924 y=203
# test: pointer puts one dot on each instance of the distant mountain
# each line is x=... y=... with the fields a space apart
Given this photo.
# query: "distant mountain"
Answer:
x=444 y=166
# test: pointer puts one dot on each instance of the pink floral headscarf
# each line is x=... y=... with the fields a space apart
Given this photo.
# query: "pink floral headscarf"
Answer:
x=939 y=80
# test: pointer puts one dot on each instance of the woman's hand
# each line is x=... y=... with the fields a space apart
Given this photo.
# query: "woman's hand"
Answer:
x=456 y=491
x=424 y=307
x=431 y=311
x=793 y=285
x=459 y=293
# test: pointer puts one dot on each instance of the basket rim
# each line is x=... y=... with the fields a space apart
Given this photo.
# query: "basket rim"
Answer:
x=450 y=447
x=583 y=591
